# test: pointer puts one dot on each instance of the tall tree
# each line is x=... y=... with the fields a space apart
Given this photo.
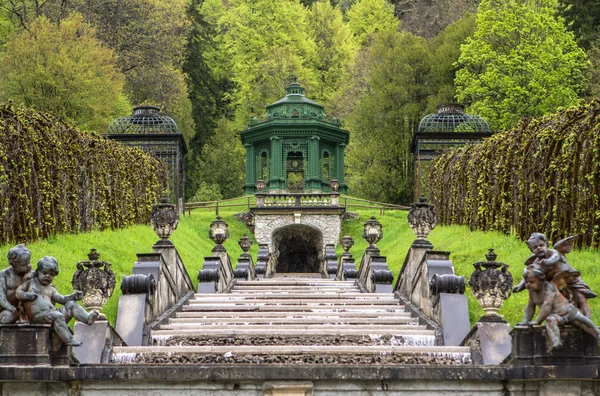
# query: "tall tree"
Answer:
x=368 y=16
x=445 y=49
x=64 y=70
x=335 y=49
x=521 y=62
x=583 y=19
x=380 y=165
x=262 y=45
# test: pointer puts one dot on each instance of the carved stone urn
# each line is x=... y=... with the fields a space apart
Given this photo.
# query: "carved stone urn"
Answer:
x=491 y=286
x=218 y=233
x=164 y=219
x=245 y=243
x=96 y=280
x=347 y=242
x=422 y=218
x=372 y=232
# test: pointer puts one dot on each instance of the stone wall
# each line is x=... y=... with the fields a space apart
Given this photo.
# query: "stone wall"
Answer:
x=330 y=225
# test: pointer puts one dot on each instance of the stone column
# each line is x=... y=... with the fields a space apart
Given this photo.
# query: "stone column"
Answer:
x=314 y=165
x=339 y=166
x=276 y=181
x=250 y=185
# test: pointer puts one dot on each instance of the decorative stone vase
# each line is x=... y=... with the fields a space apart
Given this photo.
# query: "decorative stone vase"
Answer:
x=164 y=219
x=422 y=218
x=96 y=280
x=334 y=185
x=347 y=242
x=218 y=233
x=372 y=232
x=245 y=243
x=491 y=286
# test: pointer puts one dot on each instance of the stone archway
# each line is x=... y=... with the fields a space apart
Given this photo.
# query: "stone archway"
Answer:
x=297 y=249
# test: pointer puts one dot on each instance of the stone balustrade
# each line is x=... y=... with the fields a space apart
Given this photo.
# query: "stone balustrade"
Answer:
x=293 y=200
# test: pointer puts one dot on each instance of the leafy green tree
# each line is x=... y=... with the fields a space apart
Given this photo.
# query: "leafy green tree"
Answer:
x=521 y=62
x=221 y=163
x=380 y=165
x=262 y=45
x=368 y=16
x=63 y=70
x=335 y=49
x=583 y=19
x=445 y=49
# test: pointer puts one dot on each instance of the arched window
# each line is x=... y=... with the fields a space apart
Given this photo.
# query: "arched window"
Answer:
x=326 y=166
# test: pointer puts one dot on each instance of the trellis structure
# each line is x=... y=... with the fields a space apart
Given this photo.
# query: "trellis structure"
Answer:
x=449 y=127
x=294 y=147
x=152 y=132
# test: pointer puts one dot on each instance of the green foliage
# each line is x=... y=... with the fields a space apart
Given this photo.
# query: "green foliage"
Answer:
x=542 y=176
x=63 y=70
x=582 y=18
x=221 y=162
x=55 y=179
x=445 y=50
x=335 y=50
x=369 y=16
x=380 y=165
x=207 y=192
x=521 y=62
x=260 y=54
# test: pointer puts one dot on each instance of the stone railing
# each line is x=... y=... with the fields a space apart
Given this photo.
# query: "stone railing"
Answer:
x=374 y=275
x=293 y=200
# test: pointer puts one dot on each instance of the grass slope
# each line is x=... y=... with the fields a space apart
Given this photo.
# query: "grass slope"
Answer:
x=191 y=238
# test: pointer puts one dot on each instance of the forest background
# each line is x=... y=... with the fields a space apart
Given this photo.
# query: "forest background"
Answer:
x=378 y=65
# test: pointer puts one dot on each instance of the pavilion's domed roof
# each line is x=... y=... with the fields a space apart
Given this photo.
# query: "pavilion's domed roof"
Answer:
x=451 y=117
x=144 y=120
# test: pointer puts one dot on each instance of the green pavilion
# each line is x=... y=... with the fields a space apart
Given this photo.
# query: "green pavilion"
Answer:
x=294 y=147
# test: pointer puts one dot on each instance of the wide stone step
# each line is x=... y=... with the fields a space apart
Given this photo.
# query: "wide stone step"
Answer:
x=296 y=290
x=292 y=301
x=293 y=320
x=246 y=330
x=276 y=329
x=301 y=339
x=288 y=296
x=303 y=283
x=305 y=314
x=295 y=349
x=292 y=308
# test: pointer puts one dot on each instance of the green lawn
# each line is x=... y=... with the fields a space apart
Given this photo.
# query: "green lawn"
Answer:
x=191 y=238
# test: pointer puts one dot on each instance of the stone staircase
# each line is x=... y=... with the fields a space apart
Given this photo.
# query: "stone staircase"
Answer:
x=293 y=319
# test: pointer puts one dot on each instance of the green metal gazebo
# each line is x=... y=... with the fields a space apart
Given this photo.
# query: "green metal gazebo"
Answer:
x=294 y=147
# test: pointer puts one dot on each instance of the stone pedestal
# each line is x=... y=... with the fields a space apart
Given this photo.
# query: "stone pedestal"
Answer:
x=490 y=342
x=98 y=341
x=28 y=345
x=530 y=346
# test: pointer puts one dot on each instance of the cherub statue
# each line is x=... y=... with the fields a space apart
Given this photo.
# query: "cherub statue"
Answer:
x=39 y=295
x=554 y=262
x=555 y=309
x=10 y=279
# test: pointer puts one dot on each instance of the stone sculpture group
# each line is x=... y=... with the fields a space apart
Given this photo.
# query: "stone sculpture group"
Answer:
x=556 y=288
x=28 y=296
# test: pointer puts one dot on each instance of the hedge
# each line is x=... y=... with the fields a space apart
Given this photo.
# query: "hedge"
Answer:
x=55 y=179
x=543 y=175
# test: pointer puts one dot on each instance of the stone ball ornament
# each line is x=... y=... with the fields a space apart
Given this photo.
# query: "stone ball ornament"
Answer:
x=372 y=232
x=164 y=219
x=422 y=218
x=491 y=284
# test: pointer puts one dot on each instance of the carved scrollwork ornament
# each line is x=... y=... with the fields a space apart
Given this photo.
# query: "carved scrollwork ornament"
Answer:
x=96 y=280
x=422 y=218
x=491 y=286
